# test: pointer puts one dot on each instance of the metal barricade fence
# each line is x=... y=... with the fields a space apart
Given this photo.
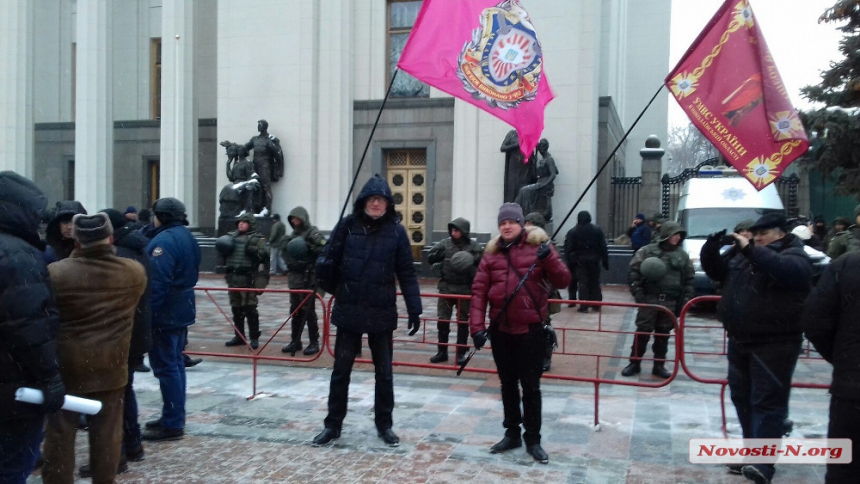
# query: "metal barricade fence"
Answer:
x=718 y=349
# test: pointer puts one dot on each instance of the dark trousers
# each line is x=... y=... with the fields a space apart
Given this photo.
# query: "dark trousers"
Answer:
x=588 y=278
x=130 y=425
x=650 y=320
x=19 y=448
x=346 y=346
x=168 y=365
x=304 y=313
x=760 y=384
x=573 y=286
x=519 y=360
x=444 y=311
x=105 y=438
x=239 y=315
x=844 y=424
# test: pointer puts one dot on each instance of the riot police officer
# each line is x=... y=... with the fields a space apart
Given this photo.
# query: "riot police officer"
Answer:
x=660 y=273
x=243 y=264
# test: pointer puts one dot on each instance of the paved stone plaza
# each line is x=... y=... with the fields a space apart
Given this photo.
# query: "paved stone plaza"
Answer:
x=447 y=423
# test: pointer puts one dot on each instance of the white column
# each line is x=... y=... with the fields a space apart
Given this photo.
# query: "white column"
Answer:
x=16 y=86
x=178 y=116
x=94 y=106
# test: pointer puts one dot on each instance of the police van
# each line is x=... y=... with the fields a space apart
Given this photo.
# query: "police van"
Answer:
x=718 y=200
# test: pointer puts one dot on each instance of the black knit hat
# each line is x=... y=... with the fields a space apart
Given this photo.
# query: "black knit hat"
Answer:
x=117 y=220
x=169 y=210
x=87 y=229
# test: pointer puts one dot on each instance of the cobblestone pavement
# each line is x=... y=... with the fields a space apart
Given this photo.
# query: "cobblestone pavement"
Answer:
x=447 y=423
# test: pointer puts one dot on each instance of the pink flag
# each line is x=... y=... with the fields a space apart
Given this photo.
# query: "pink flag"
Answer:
x=485 y=52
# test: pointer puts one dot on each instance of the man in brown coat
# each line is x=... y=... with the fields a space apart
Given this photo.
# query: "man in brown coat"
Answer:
x=97 y=293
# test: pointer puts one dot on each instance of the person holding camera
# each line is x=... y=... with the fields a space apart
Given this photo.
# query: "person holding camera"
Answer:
x=764 y=286
x=511 y=281
x=660 y=274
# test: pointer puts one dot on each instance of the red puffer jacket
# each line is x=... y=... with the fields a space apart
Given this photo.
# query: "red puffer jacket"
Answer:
x=498 y=275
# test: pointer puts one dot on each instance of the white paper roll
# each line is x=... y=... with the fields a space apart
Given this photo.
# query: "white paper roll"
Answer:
x=72 y=404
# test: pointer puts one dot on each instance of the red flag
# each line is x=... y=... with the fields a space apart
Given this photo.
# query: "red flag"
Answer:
x=728 y=85
x=485 y=52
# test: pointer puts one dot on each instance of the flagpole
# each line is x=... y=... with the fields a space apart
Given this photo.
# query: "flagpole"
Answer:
x=367 y=146
x=608 y=159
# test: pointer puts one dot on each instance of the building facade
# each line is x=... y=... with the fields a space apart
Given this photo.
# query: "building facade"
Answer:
x=117 y=103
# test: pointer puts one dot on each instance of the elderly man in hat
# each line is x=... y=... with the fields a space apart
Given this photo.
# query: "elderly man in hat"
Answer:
x=763 y=293
x=97 y=294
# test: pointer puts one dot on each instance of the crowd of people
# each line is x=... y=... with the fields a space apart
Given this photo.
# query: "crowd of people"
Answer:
x=103 y=289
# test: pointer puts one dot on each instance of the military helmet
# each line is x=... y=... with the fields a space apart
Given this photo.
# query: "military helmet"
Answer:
x=462 y=262
x=224 y=245
x=297 y=249
x=249 y=218
x=653 y=268
x=669 y=229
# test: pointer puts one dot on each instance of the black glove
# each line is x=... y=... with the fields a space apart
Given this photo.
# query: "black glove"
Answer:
x=639 y=297
x=606 y=266
x=55 y=394
x=414 y=324
x=480 y=339
x=543 y=251
x=717 y=238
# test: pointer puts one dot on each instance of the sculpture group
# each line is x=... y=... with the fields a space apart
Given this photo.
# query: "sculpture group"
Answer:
x=250 y=187
x=529 y=183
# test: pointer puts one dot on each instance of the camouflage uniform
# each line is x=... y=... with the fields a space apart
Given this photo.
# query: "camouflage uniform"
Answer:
x=243 y=271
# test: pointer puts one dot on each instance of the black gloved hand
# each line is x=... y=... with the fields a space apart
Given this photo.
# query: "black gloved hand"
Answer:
x=414 y=324
x=55 y=394
x=717 y=238
x=480 y=339
x=543 y=251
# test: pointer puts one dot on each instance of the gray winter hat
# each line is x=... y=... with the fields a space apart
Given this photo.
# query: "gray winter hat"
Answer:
x=87 y=229
x=511 y=211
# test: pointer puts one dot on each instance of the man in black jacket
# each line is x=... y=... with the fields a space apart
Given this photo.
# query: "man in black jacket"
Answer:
x=764 y=286
x=585 y=246
x=28 y=328
x=830 y=320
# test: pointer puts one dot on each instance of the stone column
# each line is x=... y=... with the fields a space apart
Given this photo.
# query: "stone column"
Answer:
x=16 y=86
x=652 y=160
x=94 y=106
x=178 y=113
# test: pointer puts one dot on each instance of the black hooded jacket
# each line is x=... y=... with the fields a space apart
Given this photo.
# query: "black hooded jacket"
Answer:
x=585 y=243
x=60 y=248
x=131 y=244
x=28 y=310
x=359 y=265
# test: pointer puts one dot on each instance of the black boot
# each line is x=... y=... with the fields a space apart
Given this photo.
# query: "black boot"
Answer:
x=640 y=345
x=441 y=355
x=634 y=368
x=312 y=349
x=239 y=321
x=461 y=355
x=253 y=326
x=292 y=348
x=660 y=370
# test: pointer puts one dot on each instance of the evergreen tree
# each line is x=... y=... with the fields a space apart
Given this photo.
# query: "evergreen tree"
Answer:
x=835 y=129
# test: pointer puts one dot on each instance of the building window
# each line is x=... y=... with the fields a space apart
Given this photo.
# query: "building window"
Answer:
x=401 y=18
x=153 y=176
x=155 y=78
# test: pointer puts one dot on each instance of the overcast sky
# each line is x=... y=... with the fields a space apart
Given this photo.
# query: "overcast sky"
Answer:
x=801 y=47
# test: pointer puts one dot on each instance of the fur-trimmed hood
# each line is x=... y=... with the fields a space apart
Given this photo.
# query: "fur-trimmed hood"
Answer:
x=533 y=236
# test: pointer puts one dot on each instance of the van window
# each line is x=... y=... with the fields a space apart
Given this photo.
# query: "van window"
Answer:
x=701 y=222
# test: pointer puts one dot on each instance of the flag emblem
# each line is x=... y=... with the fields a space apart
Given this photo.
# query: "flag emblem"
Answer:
x=502 y=63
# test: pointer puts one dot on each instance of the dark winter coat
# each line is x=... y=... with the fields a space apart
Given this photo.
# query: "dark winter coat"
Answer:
x=174 y=259
x=641 y=236
x=585 y=243
x=499 y=273
x=28 y=311
x=97 y=293
x=763 y=289
x=131 y=244
x=300 y=273
x=830 y=320
x=359 y=265
x=59 y=247
x=452 y=281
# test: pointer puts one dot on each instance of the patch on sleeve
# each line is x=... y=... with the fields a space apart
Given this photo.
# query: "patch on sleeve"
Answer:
x=157 y=251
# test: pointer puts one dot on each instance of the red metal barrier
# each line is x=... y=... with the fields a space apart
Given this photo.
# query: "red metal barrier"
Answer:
x=256 y=355
x=681 y=339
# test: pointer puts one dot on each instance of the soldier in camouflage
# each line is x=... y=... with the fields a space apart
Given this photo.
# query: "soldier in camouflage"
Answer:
x=300 y=250
x=247 y=267
x=671 y=289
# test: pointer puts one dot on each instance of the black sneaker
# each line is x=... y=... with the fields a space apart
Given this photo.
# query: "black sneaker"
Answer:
x=142 y=368
x=754 y=474
x=153 y=424
x=160 y=434
x=192 y=362
x=506 y=444
x=292 y=348
x=389 y=437
x=537 y=453
x=236 y=341
x=326 y=436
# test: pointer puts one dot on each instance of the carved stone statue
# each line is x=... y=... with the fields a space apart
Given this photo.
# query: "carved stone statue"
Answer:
x=268 y=162
x=537 y=197
x=518 y=173
x=242 y=194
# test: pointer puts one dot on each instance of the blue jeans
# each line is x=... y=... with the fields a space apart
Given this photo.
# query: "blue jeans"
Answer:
x=19 y=448
x=130 y=425
x=168 y=366
x=346 y=346
x=760 y=383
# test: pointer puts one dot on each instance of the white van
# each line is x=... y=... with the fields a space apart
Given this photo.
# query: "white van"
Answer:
x=718 y=200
